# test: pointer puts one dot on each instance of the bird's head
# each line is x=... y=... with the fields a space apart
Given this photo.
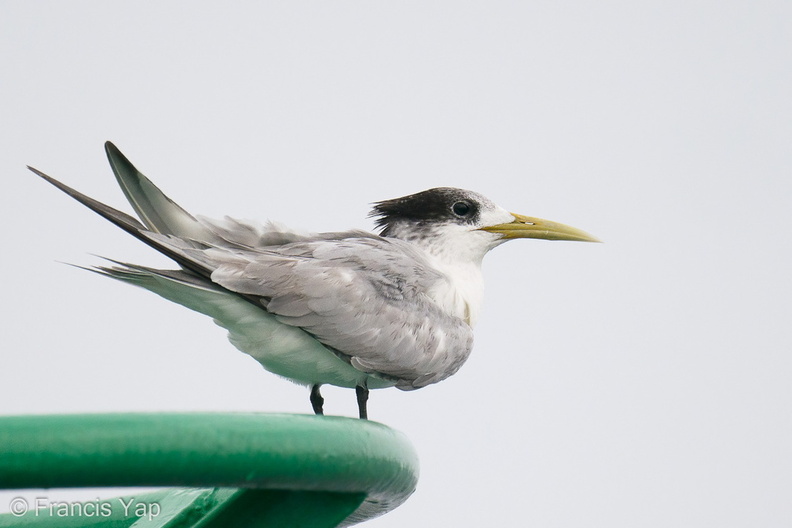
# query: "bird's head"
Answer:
x=463 y=224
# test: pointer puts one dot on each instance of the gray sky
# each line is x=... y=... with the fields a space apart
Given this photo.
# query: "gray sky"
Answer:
x=641 y=382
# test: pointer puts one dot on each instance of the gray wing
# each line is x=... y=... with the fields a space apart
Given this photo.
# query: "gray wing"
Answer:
x=250 y=234
x=363 y=297
x=357 y=293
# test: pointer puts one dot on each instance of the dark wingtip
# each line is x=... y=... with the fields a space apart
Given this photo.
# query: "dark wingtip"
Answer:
x=122 y=220
x=116 y=157
x=40 y=174
x=110 y=147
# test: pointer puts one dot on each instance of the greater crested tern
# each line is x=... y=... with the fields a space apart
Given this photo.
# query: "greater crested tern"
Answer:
x=351 y=309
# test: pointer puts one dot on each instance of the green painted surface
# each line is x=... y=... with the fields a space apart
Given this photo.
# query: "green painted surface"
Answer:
x=279 y=470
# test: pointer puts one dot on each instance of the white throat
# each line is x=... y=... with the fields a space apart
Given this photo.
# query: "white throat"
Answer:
x=462 y=293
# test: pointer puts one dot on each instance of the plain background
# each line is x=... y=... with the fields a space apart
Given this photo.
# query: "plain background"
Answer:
x=641 y=382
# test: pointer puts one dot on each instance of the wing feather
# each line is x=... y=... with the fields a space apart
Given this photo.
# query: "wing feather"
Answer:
x=362 y=297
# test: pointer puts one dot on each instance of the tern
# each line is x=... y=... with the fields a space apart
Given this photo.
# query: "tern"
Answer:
x=351 y=309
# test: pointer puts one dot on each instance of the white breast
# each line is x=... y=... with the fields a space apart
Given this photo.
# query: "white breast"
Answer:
x=462 y=292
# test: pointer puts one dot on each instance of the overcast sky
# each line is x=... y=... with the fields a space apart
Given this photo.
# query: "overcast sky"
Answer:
x=641 y=382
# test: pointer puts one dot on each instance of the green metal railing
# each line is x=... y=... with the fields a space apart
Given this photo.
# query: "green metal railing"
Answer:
x=238 y=469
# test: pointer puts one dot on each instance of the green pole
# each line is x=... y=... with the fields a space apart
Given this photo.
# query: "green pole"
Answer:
x=268 y=461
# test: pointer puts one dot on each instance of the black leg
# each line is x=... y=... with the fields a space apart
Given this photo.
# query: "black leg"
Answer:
x=316 y=399
x=362 y=398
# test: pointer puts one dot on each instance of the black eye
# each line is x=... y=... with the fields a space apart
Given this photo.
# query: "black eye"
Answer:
x=461 y=208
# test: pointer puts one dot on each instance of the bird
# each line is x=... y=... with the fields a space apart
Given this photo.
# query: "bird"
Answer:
x=352 y=309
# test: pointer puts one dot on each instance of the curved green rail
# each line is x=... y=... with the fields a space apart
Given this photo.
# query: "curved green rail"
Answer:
x=294 y=470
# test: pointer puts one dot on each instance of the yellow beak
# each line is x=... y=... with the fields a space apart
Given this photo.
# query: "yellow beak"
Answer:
x=529 y=227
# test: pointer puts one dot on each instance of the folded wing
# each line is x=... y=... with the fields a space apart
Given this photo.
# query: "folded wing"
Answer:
x=357 y=294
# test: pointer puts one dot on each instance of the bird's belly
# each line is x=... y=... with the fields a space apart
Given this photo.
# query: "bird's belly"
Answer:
x=283 y=350
x=292 y=353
